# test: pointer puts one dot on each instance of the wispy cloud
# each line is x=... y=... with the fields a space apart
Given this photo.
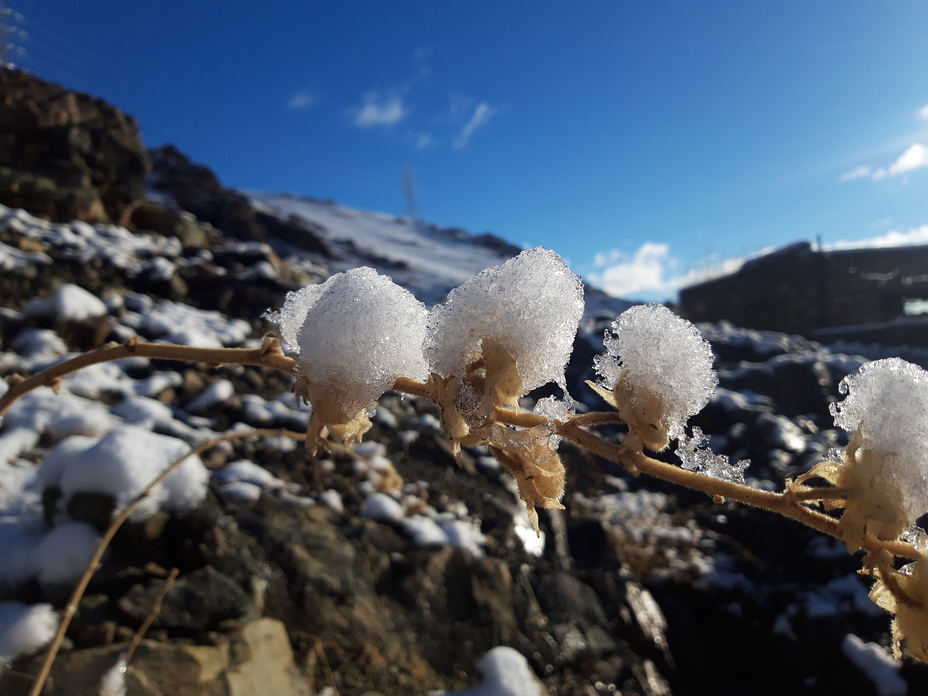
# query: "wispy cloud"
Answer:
x=857 y=173
x=923 y=112
x=481 y=116
x=380 y=110
x=301 y=100
x=424 y=141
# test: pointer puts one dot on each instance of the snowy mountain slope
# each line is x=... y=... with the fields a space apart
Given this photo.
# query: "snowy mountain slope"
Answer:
x=426 y=259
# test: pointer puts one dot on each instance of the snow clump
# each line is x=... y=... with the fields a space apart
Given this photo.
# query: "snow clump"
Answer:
x=659 y=371
x=531 y=305
x=352 y=336
x=505 y=673
x=886 y=463
x=69 y=303
x=888 y=401
x=25 y=629
x=122 y=463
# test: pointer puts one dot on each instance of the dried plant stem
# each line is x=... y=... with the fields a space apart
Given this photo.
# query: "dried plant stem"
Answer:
x=414 y=388
x=68 y=612
x=153 y=614
x=780 y=503
x=585 y=420
x=268 y=355
x=804 y=494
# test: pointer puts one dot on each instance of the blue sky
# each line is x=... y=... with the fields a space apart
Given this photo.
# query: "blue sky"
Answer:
x=646 y=142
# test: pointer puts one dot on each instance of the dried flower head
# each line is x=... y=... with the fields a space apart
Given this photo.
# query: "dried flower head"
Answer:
x=352 y=336
x=884 y=469
x=657 y=371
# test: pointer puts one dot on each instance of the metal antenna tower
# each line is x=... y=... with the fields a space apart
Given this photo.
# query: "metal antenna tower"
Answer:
x=409 y=190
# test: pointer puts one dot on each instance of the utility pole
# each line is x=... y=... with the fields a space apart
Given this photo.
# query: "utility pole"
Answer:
x=409 y=190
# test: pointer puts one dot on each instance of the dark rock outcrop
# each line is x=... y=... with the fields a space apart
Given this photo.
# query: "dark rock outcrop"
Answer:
x=66 y=155
x=197 y=190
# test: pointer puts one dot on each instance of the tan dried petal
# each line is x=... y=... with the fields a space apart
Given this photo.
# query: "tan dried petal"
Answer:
x=328 y=415
x=872 y=505
x=643 y=411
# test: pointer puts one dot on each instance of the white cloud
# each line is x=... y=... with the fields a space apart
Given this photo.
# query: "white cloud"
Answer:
x=380 y=110
x=893 y=238
x=300 y=100
x=915 y=157
x=625 y=276
x=649 y=273
x=481 y=116
x=923 y=112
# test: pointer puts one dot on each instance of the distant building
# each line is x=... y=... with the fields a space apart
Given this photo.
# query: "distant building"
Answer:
x=797 y=289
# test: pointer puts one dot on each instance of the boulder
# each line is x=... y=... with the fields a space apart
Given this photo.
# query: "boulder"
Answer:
x=66 y=155
x=255 y=661
x=196 y=189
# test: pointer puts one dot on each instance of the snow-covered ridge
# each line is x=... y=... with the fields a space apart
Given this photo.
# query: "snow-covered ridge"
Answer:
x=426 y=260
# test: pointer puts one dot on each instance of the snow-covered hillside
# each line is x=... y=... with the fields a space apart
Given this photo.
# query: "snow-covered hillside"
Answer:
x=427 y=260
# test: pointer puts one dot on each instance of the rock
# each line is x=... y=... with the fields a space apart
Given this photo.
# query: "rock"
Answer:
x=257 y=661
x=66 y=155
x=149 y=216
x=197 y=190
x=202 y=600
x=267 y=665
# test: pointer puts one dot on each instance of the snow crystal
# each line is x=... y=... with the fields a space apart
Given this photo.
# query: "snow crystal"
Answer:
x=357 y=332
x=531 y=305
x=292 y=315
x=125 y=461
x=657 y=351
x=25 y=629
x=68 y=303
x=505 y=673
x=889 y=399
x=877 y=664
x=696 y=456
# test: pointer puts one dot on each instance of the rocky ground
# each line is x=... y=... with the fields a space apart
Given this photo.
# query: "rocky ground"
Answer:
x=306 y=580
